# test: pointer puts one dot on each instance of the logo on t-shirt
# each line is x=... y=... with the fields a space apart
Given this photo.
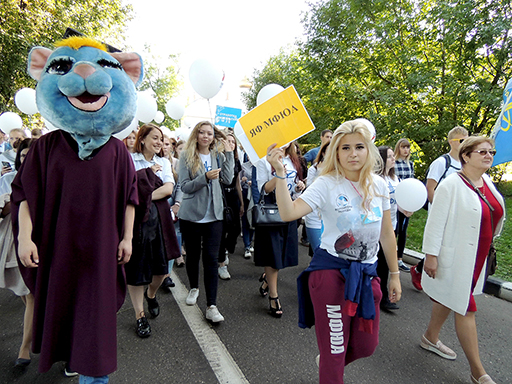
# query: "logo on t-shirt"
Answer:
x=342 y=203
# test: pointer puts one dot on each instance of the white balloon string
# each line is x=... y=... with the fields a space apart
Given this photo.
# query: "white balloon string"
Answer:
x=210 y=111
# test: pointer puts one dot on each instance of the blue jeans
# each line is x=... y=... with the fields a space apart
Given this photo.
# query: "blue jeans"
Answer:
x=314 y=235
x=93 y=380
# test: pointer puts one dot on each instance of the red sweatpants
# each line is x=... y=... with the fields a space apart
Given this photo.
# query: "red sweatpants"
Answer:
x=338 y=336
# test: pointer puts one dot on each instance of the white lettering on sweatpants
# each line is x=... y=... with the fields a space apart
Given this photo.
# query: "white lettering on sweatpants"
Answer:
x=336 y=326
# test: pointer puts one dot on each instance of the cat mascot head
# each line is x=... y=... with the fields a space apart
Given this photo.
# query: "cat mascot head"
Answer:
x=86 y=91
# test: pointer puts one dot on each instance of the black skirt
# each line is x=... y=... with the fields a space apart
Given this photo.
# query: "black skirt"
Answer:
x=148 y=255
x=276 y=247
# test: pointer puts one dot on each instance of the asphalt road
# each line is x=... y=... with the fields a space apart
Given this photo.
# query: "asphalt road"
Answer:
x=261 y=349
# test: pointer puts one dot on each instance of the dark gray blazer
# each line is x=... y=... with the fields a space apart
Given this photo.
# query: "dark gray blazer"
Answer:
x=196 y=188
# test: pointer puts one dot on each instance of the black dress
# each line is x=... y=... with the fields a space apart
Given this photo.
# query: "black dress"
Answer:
x=276 y=246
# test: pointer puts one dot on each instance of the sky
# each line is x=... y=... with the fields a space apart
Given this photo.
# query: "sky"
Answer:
x=237 y=36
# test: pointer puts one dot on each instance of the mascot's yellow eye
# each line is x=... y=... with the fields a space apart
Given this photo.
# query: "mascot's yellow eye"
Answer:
x=60 y=66
x=109 y=64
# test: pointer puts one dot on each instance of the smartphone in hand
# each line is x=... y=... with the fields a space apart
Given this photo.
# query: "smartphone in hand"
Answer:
x=6 y=164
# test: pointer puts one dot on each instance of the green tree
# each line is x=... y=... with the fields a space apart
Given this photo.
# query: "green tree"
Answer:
x=414 y=68
x=164 y=82
x=25 y=24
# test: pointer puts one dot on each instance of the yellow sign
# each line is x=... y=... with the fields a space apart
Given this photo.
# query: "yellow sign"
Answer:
x=281 y=119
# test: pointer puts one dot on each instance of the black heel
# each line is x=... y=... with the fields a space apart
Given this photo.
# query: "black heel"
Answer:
x=263 y=280
x=278 y=310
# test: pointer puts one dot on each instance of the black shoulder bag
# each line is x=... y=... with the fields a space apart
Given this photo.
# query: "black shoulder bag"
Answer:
x=228 y=215
x=266 y=213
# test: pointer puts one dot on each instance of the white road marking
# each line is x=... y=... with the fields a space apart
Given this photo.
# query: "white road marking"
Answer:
x=221 y=361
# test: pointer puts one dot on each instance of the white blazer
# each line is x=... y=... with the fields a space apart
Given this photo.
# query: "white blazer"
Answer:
x=452 y=234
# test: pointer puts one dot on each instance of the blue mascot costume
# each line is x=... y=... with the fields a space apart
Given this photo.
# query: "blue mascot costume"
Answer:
x=74 y=201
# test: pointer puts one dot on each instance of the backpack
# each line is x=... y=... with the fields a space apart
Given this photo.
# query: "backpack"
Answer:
x=448 y=160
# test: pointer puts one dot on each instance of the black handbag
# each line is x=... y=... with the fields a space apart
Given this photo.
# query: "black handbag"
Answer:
x=265 y=212
x=228 y=216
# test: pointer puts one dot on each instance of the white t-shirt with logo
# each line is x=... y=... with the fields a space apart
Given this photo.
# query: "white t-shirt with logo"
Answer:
x=210 y=215
x=349 y=231
x=392 y=184
x=264 y=174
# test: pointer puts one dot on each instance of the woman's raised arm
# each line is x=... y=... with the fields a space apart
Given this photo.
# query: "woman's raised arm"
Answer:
x=288 y=210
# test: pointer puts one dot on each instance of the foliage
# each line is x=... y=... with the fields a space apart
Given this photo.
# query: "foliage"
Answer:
x=503 y=244
x=25 y=24
x=415 y=68
x=164 y=83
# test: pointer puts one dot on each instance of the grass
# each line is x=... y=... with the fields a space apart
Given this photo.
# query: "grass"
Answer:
x=503 y=244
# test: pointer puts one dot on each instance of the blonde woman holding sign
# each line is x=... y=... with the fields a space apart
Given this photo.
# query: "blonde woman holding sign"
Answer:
x=355 y=209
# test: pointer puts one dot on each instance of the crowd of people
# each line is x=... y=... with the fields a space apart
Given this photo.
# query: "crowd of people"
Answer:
x=188 y=203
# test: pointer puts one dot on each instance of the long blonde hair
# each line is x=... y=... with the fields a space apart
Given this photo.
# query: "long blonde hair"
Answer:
x=331 y=165
x=191 y=152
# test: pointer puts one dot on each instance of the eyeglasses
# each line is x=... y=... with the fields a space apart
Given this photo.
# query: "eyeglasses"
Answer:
x=459 y=140
x=484 y=152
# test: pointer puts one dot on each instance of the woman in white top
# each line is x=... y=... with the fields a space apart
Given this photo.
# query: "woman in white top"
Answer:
x=174 y=199
x=339 y=292
x=152 y=246
x=10 y=276
x=388 y=174
x=276 y=247
x=7 y=158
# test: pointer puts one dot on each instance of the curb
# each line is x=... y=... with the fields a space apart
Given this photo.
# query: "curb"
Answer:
x=494 y=286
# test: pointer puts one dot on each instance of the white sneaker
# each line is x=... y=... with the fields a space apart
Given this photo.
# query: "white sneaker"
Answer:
x=223 y=273
x=403 y=267
x=226 y=262
x=68 y=372
x=247 y=254
x=213 y=314
x=251 y=249
x=192 y=296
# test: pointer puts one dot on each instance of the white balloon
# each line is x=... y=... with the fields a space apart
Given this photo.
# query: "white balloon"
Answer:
x=174 y=109
x=370 y=127
x=10 y=120
x=206 y=79
x=186 y=134
x=166 y=131
x=159 y=117
x=25 y=100
x=146 y=107
x=129 y=129
x=49 y=125
x=411 y=194
x=268 y=92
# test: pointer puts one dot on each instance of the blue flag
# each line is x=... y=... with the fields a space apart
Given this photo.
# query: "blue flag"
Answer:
x=502 y=132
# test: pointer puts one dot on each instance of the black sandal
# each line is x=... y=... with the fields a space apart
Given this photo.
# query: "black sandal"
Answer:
x=278 y=310
x=263 y=280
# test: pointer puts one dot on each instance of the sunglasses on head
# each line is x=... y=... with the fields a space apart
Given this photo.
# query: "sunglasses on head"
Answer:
x=484 y=152
x=459 y=140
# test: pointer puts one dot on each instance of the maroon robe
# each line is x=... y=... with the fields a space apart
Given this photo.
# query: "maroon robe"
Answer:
x=77 y=209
